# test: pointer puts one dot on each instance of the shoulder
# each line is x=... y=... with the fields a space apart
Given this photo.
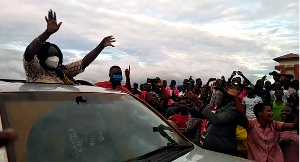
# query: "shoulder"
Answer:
x=101 y=84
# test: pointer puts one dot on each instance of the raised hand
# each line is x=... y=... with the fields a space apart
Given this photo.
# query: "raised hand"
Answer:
x=52 y=25
x=190 y=95
x=107 y=41
x=233 y=73
x=159 y=82
x=240 y=73
x=231 y=90
x=127 y=72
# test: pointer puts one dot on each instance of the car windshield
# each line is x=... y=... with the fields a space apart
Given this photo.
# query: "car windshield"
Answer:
x=84 y=127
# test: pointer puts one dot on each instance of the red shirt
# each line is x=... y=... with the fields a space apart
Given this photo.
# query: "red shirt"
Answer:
x=143 y=95
x=109 y=85
x=262 y=143
x=181 y=121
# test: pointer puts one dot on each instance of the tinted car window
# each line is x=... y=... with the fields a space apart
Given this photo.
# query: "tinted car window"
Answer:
x=83 y=127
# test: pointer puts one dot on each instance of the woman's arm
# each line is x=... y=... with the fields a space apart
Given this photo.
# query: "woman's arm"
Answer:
x=37 y=43
x=91 y=56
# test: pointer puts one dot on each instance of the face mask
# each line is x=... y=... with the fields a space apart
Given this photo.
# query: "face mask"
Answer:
x=117 y=78
x=52 y=62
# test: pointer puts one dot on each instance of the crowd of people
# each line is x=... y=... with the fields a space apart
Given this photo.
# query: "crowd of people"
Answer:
x=257 y=121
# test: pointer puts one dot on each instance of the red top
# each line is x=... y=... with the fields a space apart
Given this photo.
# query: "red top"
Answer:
x=109 y=85
x=181 y=121
x=143 y=95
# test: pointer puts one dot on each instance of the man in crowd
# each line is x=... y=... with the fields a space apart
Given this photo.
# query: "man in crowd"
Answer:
x=151 y=98
x=250 y=101
x=181 y=118
x=278 y=105
x=148 y=89
x=115 y=79
x=199 y=82
x=174 y=109
x=165 y=83
x=289 y=140
x=172 y=92
x=135 y=90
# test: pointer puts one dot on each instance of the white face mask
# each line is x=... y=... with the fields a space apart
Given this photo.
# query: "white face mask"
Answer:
x=52 y=62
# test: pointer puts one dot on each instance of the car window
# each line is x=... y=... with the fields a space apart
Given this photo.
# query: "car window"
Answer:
x=83 y=126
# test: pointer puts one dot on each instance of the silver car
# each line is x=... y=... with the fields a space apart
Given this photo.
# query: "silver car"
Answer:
x=57 y=122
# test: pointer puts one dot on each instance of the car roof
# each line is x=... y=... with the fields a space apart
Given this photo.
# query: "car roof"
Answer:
x=50 y=87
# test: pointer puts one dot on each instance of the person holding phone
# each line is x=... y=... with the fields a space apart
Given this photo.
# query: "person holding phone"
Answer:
x=152 y=100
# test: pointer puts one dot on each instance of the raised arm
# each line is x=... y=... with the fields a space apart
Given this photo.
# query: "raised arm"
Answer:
x=291 y=126
x=127 y=74
x=232 y=75
x=210 y=80
x=91 y=56
x=37 y=43
x=165 y=98
x=243 y=76
x=238 y=105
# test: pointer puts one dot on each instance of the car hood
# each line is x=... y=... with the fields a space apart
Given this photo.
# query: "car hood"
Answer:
x=199 y=154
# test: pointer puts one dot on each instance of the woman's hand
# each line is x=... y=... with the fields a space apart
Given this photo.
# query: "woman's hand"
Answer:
x=107 y=41
x=52 y=25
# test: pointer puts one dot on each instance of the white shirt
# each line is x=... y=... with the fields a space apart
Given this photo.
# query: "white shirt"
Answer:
x=250 y=103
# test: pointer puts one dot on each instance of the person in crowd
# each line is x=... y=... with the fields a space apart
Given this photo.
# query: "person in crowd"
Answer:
x=43 y=61
x=174 y=109
x=268 y=86
x=199 y=82
x=193 y=129
x=275 y=86
x=115 y=79
x=241 y=139
x=278 y=105
x=165 y=83
x=250 y=101
x=295 y=85
x=203 y=99
x=216 y=96
x=182 y=92
x=181 y=118
x=286 y=86
x=135 y=91
x=197 y=91
x=148 y=89
x=142 y=88
x=172 y=91
x=261 y=92
x=293 y=98
x=151 y=99
x=289 y=140
x=262 y=134
x=223 y=121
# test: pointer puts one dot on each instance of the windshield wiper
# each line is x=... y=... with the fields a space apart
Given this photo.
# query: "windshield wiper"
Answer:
x=171 y=148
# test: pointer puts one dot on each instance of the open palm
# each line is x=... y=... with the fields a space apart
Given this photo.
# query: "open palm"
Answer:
x=232 y=91
x=52 y=25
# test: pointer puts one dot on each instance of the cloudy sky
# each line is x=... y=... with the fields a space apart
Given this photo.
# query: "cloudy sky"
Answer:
x=172 y=39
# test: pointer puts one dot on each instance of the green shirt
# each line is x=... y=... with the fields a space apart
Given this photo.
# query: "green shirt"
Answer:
x=277 y=111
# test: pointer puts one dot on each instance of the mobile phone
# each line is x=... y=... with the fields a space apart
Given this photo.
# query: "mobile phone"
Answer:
x=151 y=81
